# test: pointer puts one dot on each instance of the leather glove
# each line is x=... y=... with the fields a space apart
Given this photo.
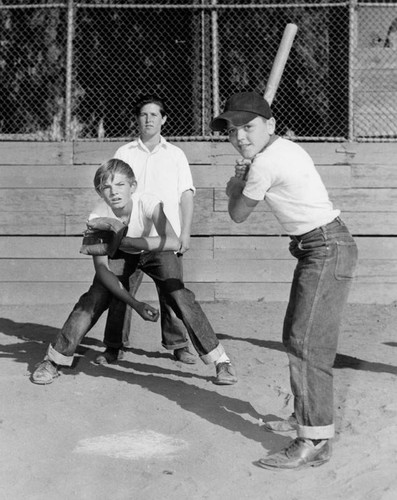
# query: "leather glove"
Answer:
x=103 y=236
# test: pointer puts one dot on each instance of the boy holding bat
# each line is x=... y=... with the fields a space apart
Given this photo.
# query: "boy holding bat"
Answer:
x=120 y=227
x=283 y=175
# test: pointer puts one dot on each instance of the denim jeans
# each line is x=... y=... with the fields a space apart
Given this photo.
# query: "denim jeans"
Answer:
x=327 y=257
x=165 y=268
x=173 y=332
x=86 y=312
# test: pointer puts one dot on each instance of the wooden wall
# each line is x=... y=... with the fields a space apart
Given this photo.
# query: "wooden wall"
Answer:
x=46 y=194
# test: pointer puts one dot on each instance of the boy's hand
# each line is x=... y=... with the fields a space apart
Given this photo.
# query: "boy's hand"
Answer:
x=148 y=313
x=234 y=187
x=241 y=168
x=103 y=236
x=184 y=240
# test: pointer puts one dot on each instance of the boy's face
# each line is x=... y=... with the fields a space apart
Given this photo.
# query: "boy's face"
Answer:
x=150 y=120
x=117 y=192
x=251 y=138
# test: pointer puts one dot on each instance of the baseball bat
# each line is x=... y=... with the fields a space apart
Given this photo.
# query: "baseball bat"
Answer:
x=279 y=62
x=277 y=70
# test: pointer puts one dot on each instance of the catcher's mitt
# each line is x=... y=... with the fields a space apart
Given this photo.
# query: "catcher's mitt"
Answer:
x=103 y=236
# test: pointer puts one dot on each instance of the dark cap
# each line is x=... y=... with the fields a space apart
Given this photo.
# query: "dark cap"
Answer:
x=240 y=109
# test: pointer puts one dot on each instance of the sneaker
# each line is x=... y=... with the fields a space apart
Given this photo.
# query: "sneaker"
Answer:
x=225 y=374
x=108 y=356
x=281 y=425
x=45 y=373
x=300 y=453
x=185 y=356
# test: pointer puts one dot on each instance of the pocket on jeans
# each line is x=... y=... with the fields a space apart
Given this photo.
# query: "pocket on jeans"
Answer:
x=346 y=260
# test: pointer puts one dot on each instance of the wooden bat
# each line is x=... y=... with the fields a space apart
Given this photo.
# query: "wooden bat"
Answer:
x=275 y=74
x=279 y=62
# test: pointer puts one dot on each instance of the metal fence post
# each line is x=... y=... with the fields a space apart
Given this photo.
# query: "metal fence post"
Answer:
x=352 y=42
x=69 y=63
x=215 y=59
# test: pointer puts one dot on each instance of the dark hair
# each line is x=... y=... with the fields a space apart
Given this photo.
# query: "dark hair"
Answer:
x=109 y=169
x=149 y=99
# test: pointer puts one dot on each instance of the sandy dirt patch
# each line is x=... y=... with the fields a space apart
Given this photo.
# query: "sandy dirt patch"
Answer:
x=152 y=428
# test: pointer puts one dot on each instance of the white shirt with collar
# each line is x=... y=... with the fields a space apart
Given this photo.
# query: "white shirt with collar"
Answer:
x=164 y=172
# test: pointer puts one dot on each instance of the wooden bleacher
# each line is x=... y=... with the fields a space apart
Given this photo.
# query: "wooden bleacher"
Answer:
x=47 y=192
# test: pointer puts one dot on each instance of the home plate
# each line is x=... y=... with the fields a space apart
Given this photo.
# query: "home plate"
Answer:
x=132 y=445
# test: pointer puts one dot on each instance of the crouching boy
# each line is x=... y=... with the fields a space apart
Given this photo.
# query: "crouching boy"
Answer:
x=115 y=183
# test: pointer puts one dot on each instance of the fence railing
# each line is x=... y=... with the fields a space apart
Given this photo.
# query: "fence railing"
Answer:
x=72 y=71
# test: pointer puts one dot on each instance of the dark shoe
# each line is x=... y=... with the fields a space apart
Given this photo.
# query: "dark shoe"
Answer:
x=225 y=374
x=281 y=425
x=45 y=373
x=185 y=356
x=110 y=355
x=300 y=453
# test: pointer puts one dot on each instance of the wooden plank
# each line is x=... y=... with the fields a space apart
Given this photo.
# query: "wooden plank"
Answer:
x=78 y=202
x=68 y=293
x=54 y=201
x=47 y=176
x=222 y=152
x=374 y=176
x=265 y=224
x=202 y=248
x=279 y=292
x=378 y=153
x=67 y=247
x=205 y=223
x=265 y=247
x=197 y=152
x=36 y=153
x=81 y=176
x=347 y=200
x=251 y=248
x=20 y=223
x=196 y=271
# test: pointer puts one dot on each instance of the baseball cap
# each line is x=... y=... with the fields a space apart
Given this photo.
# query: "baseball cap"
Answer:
x=241 y=108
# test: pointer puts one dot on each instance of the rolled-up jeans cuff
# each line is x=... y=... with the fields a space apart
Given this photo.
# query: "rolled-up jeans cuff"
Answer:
x=316 y=432
x=58 y=358
x=212 y=356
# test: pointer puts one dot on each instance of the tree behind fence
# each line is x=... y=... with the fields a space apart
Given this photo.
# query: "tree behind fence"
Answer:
x=73 y=71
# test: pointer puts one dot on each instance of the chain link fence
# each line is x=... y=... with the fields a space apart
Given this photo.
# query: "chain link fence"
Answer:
x=72 y=71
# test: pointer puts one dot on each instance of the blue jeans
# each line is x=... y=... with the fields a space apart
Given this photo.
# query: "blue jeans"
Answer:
x=173 y=332
x=165 y=268
x=327 y=257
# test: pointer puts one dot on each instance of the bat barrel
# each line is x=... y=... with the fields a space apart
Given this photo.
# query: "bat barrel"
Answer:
x=280 y=61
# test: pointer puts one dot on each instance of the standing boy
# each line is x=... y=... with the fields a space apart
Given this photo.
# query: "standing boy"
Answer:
x=163 y=170
x=121 y=205
x=283 y=174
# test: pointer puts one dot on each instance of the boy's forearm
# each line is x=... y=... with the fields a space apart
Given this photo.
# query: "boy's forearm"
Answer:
x=112 y=283
x=187 y=207
x=239 y=206
x=149 y=244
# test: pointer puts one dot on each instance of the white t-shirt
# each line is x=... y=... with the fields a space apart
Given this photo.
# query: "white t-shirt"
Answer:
x=164 y=172
x=141 y=221
x=284 y=176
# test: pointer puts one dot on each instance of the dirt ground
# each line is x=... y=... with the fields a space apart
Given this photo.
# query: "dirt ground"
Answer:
x=152 y=428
